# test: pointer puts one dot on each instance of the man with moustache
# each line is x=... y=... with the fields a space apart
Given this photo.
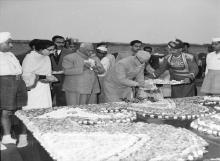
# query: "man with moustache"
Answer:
x=58 y=95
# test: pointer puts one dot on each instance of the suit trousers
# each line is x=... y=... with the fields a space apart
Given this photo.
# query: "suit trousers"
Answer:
x=58 y=94
x=74 y=98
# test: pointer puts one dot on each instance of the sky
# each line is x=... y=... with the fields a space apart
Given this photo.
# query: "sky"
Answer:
x=151 y=21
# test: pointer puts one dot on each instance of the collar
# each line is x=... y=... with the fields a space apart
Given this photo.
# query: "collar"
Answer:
x=133 y=53
x=58 y=52
x=217 y=53
x=82 y=55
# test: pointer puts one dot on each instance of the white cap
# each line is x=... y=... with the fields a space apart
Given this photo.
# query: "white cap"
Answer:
x=86 y=45
x=102 y=48
x=4 y=36
x=216 y=39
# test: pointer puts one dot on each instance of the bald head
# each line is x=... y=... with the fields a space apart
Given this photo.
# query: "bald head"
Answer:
x=143 y=56
x=86 y=48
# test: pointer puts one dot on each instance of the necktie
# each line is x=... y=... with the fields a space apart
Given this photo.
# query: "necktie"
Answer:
x=56 y=54
x=56 y=57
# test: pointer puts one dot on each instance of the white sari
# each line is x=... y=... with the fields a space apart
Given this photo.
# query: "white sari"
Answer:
x=39 y=96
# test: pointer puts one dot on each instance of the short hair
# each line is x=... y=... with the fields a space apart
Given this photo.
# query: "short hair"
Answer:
x=186 y=44
x=43 y=44
x=148 y=48
x=57 y=37
x=101 y=44
x=134 y=42
x=32 y=43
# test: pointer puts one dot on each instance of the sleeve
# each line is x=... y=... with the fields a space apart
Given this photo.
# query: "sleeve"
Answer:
x=71 y=65
x=149 y=68
x=207 y=64
x=4 y=67
x=100 y=69
x=28 y=74
x=193 y=68
x=140 y=76
x=121 y=76
x=106 y=63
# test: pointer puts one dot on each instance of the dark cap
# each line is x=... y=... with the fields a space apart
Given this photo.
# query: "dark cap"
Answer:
x=177 y=44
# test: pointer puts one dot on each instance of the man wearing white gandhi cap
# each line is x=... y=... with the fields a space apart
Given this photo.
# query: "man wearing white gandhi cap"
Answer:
x=211 y=81
x=108 y=61
x=127 y=73
x=13 y=94
x=216 y=39
x=4 y=36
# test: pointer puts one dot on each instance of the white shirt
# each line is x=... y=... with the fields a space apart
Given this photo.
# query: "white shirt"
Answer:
x=212 y=61
x=108 y=61
x=9 y=64
x=58 y=52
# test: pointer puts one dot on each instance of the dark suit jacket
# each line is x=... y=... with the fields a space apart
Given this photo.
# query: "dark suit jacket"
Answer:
x=57 y=66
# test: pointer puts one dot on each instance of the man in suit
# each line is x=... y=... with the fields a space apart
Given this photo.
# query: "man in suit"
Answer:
x=81 y=82
x=56 y=62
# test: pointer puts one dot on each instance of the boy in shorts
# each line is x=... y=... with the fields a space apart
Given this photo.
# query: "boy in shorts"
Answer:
x=13 y=93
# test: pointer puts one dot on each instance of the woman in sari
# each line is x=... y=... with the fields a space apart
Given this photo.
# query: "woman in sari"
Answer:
x=182 y=67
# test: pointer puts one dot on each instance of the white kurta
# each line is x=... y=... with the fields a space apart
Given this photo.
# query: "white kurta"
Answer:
x=9 y=64
x=211 y=81
x=108 y=62
x=212 y=61
x=40 y=96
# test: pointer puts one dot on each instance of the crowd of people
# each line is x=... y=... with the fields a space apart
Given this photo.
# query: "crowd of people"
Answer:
x=53 y=75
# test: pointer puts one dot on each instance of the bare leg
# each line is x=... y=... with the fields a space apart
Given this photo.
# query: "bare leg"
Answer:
x=6 y=125
x=22 y=138
x=23 y=128
x=6 y=122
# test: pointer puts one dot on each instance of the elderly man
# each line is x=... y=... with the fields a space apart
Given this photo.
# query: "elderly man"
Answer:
x=182 y=67
x=135 y=46
x=127 y=73
x=13 y=94
x=81 y=81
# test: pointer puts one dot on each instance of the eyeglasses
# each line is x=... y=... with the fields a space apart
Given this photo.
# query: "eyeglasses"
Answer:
x=137 y=46
x=60 y=42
